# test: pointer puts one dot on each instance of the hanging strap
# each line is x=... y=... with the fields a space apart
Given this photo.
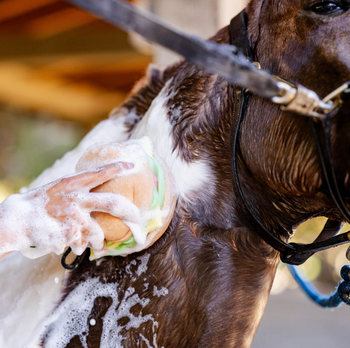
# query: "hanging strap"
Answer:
x=77 y=261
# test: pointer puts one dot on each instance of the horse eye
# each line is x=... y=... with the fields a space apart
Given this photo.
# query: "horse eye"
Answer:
x=326 y=7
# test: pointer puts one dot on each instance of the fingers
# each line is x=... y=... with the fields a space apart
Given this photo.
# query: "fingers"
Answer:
x=113 y=204
x=94 y=234
x=72 y=196
x=91 y=232
x=90 y=179
x=78 y=247
x=91 y=236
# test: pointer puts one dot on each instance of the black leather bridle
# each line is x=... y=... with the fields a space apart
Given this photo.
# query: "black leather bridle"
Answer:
x=291 y=253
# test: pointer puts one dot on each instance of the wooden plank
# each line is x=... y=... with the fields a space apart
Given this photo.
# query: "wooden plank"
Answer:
x=106 y=71
x=20 y=86
x=123 y=61
x=10 y=9
x=58 y=22
x=13 y=8
x=97 y=37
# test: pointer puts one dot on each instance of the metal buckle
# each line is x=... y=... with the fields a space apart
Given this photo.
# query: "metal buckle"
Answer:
x=306 y=102
x=302 y=101
x=336 y=96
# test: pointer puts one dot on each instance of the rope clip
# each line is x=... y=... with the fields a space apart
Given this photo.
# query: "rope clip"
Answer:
x=306 y=102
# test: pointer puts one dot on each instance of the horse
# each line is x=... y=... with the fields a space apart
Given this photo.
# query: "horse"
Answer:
x=206 y=282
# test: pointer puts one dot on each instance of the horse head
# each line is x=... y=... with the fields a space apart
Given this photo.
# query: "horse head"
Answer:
x=305 y=42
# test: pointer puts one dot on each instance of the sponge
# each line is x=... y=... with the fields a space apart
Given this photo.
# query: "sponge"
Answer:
x=149 y=185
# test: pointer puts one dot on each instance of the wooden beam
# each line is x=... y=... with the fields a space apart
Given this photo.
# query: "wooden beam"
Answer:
x=106 y=72
x=13 y=8
x=58 y=22
x=20 y=86
x=123 y=61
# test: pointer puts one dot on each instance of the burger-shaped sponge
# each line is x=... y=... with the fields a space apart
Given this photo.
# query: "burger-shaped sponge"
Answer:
x=149 y=185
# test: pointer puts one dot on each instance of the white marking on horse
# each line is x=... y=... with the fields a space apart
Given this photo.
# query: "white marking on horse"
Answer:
x=189 y=177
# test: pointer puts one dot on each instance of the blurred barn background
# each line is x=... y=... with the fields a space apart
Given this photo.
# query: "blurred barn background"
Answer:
x=62 y=71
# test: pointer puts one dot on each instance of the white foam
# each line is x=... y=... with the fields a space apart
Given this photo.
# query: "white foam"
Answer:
x=144 y=339
x=144 y=262
x=36 y=230
x=29 y=228
x=71 y=318
x=128 y=267
x=148 y=343
x=160 y=292
x=138 y=232
x=28 y=292
x=132 y=151
x=33 y=232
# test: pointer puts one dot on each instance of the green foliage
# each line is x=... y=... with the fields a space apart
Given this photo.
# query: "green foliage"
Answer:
x=31 y=143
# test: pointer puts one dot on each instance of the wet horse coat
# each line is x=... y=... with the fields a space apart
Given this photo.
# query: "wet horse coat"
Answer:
x=205 y=283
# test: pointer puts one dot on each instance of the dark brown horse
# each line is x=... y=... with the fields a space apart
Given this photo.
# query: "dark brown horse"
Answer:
x=205 y=283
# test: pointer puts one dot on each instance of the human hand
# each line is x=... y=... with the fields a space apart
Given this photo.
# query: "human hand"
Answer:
x=57 y=215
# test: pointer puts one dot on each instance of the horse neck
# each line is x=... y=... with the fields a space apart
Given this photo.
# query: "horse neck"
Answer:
x=228 y=269
x=207 y=278
x=206 y=281
x=218 y=280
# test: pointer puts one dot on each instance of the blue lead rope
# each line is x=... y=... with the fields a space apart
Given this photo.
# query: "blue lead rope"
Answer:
x=342 y=293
